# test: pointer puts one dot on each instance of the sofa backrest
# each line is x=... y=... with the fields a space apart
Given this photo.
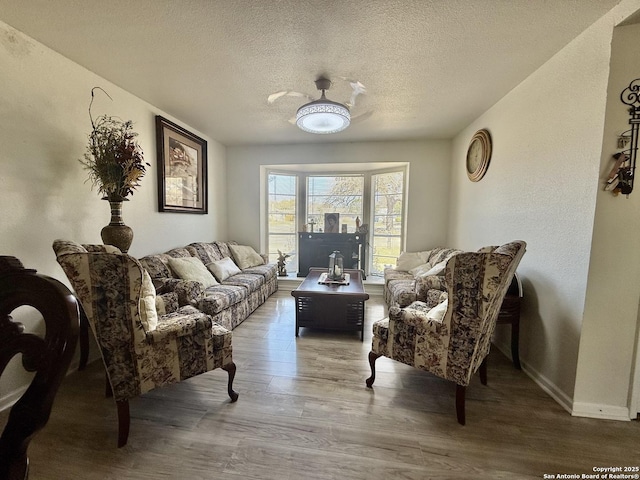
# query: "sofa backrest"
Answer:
x=207 y=252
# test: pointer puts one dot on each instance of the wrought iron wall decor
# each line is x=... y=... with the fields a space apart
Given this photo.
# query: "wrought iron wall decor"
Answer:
x=622 y=174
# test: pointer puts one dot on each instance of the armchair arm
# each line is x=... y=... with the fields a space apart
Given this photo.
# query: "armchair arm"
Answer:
x=187 y=322
x=415 y=315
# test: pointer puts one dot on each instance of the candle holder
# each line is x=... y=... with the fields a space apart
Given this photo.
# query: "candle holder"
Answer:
x=336 y=266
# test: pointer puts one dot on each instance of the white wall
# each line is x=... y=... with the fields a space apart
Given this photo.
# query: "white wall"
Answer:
x=541 y=187
x=428 y=182
x=611 y=309
x=44 y=123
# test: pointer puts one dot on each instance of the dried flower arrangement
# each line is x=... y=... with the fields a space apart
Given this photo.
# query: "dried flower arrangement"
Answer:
x=114 y=159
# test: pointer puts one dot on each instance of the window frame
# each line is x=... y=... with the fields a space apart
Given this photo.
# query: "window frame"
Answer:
x=304 y=171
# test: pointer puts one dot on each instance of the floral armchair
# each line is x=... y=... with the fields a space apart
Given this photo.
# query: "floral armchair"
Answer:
x=145 y=342
x=452 y=338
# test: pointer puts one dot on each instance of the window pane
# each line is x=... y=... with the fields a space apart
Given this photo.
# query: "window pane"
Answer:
x=387 y=230
x=284 y=243
x=335 y=194
x=281 y=223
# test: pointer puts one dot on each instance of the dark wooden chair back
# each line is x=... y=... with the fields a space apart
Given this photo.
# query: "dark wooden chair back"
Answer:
x=49 y=356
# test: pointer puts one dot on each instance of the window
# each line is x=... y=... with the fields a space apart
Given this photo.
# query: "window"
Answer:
x=282 y=210
x=386 y=236
x=299 y=195
x=335 y=194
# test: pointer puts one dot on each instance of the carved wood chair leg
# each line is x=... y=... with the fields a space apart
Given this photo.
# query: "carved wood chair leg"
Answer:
x=483 y=371
x=372 y=363
x=231 y=369
x=460 y=393
x=124 y=421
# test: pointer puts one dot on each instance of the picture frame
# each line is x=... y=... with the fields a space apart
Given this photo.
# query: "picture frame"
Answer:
x=331 y=223
x=182 y=169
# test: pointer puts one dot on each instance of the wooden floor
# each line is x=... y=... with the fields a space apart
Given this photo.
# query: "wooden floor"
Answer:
x=304 y=413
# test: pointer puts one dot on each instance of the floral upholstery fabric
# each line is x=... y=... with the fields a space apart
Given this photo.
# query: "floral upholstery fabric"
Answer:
x=185 y=343
x=218 y=297
x=454 y=348
x=207 y=252
x=229 y=303
x=402 y=288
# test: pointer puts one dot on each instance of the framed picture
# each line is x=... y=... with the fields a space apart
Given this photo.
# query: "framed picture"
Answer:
x=331 y=223
x=182 y=169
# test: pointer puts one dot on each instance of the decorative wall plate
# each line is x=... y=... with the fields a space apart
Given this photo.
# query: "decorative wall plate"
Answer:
x=478 y=155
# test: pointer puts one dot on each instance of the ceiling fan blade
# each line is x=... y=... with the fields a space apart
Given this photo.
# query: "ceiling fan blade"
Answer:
x=362 y=117
x=287 y=93
x=357 y=89
x=274 y=96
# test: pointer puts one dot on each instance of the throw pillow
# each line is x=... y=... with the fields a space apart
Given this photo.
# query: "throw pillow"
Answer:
x=223 y=269
x=245 y=256
x=147 y=304
x=192 y=268
x=437 y=269
x=408 y=260
x=420 y=269
x=437 y=313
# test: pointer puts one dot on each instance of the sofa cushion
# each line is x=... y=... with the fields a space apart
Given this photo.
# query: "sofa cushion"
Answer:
x=268 y=271
x=223 y=269
x=157 y=266
x=408 y=260
x=147 y=306
x=245 y=256
x=192 y=268
x=440 y=254
x=402 y=291
x=220 y=297
x=393 y=274
x=437 y=312
x=437 y=269
x=250 y=281
x=223 y=247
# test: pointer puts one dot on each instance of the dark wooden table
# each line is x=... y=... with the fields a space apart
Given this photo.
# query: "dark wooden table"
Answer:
x=331 y=307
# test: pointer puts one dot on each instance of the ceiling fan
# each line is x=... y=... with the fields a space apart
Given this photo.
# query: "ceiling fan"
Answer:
x=323 y=116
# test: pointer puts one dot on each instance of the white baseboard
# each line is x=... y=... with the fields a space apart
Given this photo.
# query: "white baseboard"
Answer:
x=543 y=382
x=593 y=410
x=576 y=409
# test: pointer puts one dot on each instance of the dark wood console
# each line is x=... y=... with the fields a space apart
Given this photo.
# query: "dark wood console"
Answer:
x=314 y=250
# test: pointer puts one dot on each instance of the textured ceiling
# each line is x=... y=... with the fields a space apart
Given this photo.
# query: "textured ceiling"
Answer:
x=430 y=66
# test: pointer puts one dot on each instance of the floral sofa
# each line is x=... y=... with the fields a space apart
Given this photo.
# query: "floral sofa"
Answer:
x=222 y=279
x=417 y=276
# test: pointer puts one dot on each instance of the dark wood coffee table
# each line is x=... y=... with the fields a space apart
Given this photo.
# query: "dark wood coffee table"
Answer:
x=331 y=307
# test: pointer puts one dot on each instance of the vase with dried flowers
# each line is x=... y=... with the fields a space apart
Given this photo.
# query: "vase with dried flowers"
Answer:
x=115 y=163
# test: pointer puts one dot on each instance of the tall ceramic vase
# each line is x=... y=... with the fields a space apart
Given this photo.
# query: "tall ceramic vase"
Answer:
x=117 y=233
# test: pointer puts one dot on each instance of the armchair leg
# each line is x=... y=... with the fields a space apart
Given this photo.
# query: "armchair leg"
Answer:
x=460 y=393
x=230 y=368
x=483 y=371
x=124 y=421
x=372 y=363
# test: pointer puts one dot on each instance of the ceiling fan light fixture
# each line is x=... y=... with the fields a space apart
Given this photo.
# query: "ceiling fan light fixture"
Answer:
x=323 y=116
